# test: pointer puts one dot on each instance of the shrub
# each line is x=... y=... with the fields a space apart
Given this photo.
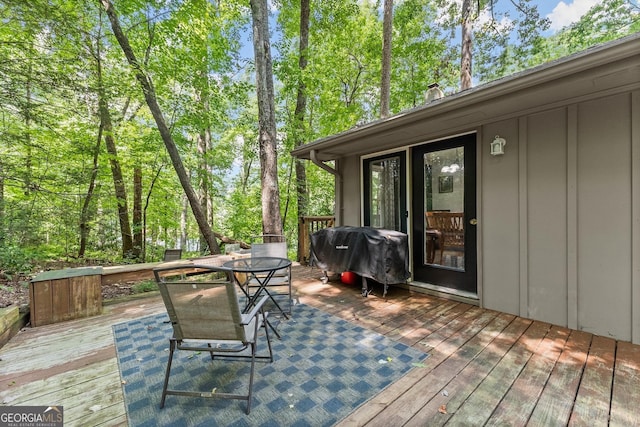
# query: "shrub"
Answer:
x=16 y=260
x=146 y=286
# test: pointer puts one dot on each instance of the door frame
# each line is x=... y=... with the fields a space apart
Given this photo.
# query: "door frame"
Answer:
x=441 y=279
x=403 y=191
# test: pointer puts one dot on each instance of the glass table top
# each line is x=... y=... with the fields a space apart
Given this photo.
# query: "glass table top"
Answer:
x=257 y=264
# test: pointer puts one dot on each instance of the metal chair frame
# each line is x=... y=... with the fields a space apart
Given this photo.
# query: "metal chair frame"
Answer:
x=206 y=317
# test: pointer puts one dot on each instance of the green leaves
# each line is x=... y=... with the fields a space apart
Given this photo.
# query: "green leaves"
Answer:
x=52 y=52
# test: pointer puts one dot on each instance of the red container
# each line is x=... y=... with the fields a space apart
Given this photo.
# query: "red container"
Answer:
x=349 y=278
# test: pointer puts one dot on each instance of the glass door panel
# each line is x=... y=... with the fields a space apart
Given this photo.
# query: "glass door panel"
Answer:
x=444 y=210
x=385 y=192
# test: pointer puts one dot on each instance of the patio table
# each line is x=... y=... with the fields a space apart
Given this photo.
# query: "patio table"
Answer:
x=262 y=270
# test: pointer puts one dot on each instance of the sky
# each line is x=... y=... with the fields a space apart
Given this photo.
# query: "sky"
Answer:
x=563 y=13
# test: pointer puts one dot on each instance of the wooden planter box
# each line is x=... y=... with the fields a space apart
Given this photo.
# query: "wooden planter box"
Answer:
x=56 y=296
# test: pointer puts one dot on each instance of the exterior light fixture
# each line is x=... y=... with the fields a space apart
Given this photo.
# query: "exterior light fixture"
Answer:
x=497 y=146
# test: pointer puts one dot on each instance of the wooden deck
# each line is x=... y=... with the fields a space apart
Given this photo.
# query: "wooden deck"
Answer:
x=485 y=367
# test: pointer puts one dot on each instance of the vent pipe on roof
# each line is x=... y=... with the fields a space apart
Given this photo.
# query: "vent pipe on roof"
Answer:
x=433 y=93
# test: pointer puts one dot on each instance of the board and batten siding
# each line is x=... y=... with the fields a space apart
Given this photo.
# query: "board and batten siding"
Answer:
x=559 y=212
x=560 y=216
x=349 y=202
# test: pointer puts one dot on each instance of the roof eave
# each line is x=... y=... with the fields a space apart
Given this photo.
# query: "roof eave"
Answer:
x=590 y=58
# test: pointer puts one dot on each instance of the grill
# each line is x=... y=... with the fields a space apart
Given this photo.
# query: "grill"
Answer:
x=372 y=253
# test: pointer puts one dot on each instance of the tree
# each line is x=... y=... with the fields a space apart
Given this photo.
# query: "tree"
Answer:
x=300 y=111
x=150 y=97
x=467 y=45
x=493 y=44
x=387 y=32
x=605 y=21
x=421 y=55
x=57 y=190
x=107 y=129
x=271 y=217
x=137 y=230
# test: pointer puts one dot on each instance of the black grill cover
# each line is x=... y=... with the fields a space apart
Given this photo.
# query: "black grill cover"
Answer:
x=380 y=255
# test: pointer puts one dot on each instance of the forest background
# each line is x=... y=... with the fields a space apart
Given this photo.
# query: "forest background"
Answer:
x=83 y=168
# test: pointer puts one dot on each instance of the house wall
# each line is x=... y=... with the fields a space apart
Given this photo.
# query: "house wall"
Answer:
x=603 y=222
x=559 y=212
x=498 y=219
x=545 y=278
x=350 y=175
x=557 y=217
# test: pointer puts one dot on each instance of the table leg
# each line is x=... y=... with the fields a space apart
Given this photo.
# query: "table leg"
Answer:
x=262 y=286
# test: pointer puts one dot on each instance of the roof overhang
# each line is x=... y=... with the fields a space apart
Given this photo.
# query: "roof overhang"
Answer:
x=599 y=69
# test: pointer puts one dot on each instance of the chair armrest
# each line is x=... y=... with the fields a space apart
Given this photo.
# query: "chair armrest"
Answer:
x=247 y=318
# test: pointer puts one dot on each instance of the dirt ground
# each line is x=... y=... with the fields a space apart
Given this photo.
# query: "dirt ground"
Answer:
x=12 y=293
x=14 y=290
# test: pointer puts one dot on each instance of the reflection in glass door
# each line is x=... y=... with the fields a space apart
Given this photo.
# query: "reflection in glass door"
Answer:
x=444 y=207
x=444 y=210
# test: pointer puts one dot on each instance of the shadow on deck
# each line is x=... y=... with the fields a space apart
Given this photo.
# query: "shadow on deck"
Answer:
x=485 y=367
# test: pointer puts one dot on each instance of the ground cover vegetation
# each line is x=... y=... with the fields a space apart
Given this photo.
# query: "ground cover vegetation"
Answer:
x=85 y=176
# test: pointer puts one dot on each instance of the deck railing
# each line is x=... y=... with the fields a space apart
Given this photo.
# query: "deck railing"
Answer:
x=308 y=225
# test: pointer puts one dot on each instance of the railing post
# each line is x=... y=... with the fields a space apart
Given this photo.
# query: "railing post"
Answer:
x=306 y=226
x=302 y=248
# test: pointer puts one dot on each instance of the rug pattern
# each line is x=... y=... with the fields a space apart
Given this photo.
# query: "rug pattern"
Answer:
x=323 y=369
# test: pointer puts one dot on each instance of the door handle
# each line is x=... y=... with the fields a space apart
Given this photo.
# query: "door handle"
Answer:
x=473 y=221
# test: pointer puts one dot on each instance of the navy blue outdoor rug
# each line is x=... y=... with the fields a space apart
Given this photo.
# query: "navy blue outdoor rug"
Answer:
x=323 y=369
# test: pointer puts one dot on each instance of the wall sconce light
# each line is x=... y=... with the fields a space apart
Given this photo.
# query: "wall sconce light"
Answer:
x=497 y=146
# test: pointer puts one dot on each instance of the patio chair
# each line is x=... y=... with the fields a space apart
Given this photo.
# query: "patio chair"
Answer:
x=448 y=227
x=279 y=286
x=172 y=254
x=203 y=308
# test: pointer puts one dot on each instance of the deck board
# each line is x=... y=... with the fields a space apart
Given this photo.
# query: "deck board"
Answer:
x=433 y=384
x=477 y=408
x=484 y=367
x=593 y=400
x=518 y=403
x=438 y=317
x=625 y=399
x=556 y=400
x=445 y=403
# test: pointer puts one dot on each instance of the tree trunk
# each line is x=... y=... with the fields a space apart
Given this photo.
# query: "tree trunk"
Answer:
x=84 y=215
x=203 y=144
x=144 y=212
x=165 y=133
x=27 y=135
x=467 y=44
x=182 y=244
x=301 y=107
x=3 y=230
x=385 y=84
x=271 y=217
x=137 y=213
x=116 y=171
